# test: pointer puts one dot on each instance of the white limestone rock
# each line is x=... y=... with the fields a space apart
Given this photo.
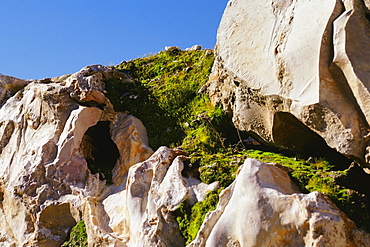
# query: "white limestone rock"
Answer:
x=263 y=208
x=139 y=213
x=129 y=134
x=194 y=48
x=47 y=185
x=44 y=176
x=283 y=63
x=172 y=48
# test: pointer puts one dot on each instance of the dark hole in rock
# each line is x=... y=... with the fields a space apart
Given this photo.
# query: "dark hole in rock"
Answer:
x=292 y=134
x=237 y=83
x=190 y=170
x=99 y=150
x=8 y=131
x=1 y=199
x=368 y=16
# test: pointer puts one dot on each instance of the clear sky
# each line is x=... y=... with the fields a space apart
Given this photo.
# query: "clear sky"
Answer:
x=47 y=38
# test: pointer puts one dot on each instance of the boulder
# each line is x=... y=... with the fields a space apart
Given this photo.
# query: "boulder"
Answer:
x=169 y=48
x=296 y=73
x=262 y=207
x=194 y=48
x=172 y=49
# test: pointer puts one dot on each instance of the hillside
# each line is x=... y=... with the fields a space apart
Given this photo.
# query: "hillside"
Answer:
x=263 y=141
x=165 y=96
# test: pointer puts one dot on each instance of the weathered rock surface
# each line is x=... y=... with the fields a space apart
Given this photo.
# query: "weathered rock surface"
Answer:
x=9 y=86
x=41 y=162
x=294 y=72
x=66 y=155
x=194 y=48
x=138 y=213
x=263 y=208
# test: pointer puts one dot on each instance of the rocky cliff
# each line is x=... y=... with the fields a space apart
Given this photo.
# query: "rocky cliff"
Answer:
x=76 y=167
x=296 y=73
x=67 y=156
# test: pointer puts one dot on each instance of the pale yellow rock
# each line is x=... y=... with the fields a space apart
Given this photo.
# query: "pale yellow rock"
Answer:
x=129 y=134
x=46 y=184
x=350 y=55
x=263 y=208
x=9 y=86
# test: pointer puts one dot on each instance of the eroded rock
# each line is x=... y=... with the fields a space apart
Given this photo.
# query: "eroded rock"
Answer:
x=66 y=156
x=139 y=212
x=9 y=86
x=263 y=208
x=301 y=58
x=44 y=176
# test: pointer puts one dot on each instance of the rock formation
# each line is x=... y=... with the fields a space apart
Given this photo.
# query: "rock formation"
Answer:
x=138 y=212
x=9 y=86
x=66 y=156
x=274 y=213
x=296 y=73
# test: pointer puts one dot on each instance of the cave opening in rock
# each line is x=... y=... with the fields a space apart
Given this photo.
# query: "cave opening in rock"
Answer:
x=99 y=150
x=292 y=134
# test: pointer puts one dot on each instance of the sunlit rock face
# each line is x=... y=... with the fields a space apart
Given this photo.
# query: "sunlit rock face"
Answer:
x=9 y=86
x=297 y=68
x=43 y=167
x=43 y=171
x=66 y=156
x=139 y=212
x=263 y=208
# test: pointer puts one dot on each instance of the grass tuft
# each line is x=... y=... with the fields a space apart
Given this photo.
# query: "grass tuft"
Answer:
x=77 y=236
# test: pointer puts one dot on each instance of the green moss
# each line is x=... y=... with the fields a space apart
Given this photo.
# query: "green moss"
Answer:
x=165 y=98
x=190 y=218
x=320 y=175
x=316 y=175
x=164 y=95
x=77 y=236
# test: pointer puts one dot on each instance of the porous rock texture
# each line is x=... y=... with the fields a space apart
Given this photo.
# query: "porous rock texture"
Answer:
x=297 y=72
x=263 y=208
x=49 y=133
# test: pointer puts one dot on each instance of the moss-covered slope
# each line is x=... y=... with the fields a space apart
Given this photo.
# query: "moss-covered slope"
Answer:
x=164 y=95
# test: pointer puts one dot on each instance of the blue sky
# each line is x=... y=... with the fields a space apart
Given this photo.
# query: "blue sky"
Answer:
x=56 y=37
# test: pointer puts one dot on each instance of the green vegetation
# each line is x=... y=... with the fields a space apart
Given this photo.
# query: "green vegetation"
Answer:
x=314 y=175
x=77 y=236
x=165 y=98
x=190 y=218
x=164 y=95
